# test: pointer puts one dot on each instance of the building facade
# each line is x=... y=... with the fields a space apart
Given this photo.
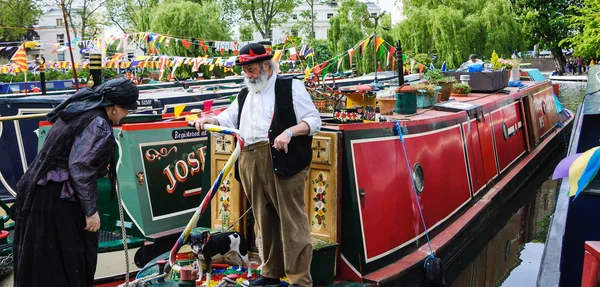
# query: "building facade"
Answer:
x=323 y=12
x=51 y=28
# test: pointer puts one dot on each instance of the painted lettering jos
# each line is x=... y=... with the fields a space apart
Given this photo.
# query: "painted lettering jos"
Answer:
x=180 y=171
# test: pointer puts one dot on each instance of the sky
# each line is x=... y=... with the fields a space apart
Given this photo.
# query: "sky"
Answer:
x=386 y=5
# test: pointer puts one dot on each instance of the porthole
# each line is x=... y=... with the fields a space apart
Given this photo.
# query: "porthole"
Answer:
x=418 y=178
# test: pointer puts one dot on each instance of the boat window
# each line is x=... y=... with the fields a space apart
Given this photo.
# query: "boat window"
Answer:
x=418 y=178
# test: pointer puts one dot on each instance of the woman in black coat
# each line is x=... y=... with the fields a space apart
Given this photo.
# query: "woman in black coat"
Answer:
x=57 y=221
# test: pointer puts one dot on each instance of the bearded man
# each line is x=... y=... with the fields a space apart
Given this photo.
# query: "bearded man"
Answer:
x=277 y=119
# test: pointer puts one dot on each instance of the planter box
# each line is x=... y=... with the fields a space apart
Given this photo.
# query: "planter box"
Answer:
x=483 y=81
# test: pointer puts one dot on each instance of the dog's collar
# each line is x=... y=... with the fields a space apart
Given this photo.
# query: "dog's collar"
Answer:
x=207 y=239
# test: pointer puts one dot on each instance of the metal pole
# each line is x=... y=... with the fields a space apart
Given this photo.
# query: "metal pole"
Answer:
x=400 y=63
x=62 y=3
x=375 y=47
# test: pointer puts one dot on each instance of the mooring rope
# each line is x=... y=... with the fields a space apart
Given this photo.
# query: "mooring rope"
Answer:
x=412 y=182
x=121 y=216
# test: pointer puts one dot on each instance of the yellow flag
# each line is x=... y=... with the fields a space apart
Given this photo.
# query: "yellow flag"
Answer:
x=178 y=109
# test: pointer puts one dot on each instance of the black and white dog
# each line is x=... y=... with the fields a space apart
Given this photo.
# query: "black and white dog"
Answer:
x=229 y=245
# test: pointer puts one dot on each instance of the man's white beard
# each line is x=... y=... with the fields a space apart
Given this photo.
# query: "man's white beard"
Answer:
x=257 y=85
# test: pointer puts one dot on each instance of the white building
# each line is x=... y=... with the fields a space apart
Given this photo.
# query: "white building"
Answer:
x=322 y=14
x=51 y=28
x=397 y=13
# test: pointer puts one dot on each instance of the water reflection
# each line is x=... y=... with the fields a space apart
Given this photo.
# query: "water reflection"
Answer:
x=512 y=257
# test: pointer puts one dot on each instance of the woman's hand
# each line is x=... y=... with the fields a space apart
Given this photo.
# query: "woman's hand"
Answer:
x=92 y=223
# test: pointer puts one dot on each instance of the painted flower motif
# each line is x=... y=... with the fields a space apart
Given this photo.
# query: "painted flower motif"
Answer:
x=224 y=199
x=320 y=206
x=320 y=190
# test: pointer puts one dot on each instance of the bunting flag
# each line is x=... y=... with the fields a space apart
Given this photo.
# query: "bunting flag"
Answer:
x=444 y=69
x=421 y=67
x=277 y=55
x=302 y=52
x=307 y=73
x=293 y=54
x=324 y=72
x=351 y=55
x=363 y=46
x=431 y=67
x=378 y=42
x=390 y=54
x=20 y=58
x=186 y=44
x=309 y=52
x=167 y=42
x=196 y=64
x=339 y=63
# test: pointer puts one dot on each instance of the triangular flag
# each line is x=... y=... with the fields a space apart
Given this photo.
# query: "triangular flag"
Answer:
x=277 y=56
x=378 y=42
x=339 y=63
x=351 y=55
x=324 y=72
x=421 y=67
x=186 y=44
x=431 y=67
x=293 y=54
x=363 y=46
x=178 y=109
x=444 y=69
x=20 y=58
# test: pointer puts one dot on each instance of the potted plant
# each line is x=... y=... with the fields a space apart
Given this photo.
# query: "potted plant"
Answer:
x=446 y=83
x=460 y=90
x=386 y=101
x=428 y=95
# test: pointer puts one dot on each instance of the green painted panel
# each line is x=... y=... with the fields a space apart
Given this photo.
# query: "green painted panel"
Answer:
x=166 y=197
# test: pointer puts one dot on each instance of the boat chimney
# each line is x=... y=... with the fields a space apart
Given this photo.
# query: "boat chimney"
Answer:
x=95 y=70
x=42 y=62
x=400 y=63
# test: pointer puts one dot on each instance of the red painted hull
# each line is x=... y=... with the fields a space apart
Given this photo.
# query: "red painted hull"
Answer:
x=465 y=157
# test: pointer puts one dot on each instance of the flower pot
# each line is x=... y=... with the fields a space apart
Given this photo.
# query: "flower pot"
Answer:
x=446 y=90
x=407 y=100
x=425 y=100
x=515 y=75
x=386 y=105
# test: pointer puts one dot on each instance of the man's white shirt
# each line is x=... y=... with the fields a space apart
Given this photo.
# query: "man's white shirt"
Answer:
x=259 y=108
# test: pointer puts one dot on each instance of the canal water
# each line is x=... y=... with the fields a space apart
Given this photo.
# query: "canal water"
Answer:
x=511 y=252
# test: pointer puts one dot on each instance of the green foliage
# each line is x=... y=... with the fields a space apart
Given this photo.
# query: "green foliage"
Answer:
x=433 y=76
x=323 y=51
x=189 y=20
x=586 y=22
x=494 y=60
x=245 y=32
x=454 y=29
x=17 y=13
x=130 y=14
x=546 y=22
x=460 y=88
x=266 y=14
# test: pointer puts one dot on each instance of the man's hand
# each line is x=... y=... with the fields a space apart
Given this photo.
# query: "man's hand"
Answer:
x=282 y=141
x=92 y=223
x=199 y=123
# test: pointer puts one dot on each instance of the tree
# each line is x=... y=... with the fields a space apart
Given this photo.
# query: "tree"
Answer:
x=585 y=21
x=246 y=32
x=265 y=14
x=191 y=21
x=545 y=23
x=81 y=16
x=18 y=13
x=453 y=29
x=130 y=14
